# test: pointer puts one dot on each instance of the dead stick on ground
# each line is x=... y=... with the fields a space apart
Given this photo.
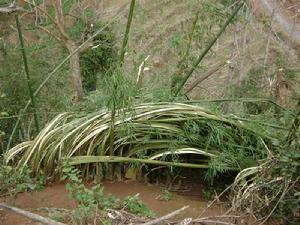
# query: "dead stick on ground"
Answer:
x=30 y=215
x=211 y=221
x=166 y=217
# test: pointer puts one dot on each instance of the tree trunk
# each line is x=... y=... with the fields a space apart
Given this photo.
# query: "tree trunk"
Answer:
x=75 y=71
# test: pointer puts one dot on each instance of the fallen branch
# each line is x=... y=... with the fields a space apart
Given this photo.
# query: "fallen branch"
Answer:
x=30 y=215
x=166 y=217
x=209 y=74
x=9 y=8
x=211 y=221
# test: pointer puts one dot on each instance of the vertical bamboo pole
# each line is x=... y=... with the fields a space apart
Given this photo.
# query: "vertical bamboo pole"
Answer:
x=126 y=36
x=295 y=126
x=210 y=45
x=27 y=71
x=111 y=168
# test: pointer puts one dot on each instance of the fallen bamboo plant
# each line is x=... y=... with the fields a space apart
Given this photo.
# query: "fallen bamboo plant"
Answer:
x=160 y=134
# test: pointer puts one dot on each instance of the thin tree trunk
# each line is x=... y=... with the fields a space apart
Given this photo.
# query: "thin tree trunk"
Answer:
x=76 y=78
x=75 y=71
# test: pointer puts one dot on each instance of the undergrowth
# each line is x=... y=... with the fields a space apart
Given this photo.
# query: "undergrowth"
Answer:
x=91 y=199
x=14 y=181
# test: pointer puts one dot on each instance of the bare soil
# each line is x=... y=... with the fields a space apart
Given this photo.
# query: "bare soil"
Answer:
x=286 y=16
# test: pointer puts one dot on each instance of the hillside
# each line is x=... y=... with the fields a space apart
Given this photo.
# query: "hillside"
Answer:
x=159 y=25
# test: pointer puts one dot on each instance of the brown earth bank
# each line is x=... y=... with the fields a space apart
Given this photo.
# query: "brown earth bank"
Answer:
x=286 y=15
x=56 y=196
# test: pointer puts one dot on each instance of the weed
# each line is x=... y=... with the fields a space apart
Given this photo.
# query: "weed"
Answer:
x=207 y=194
x=135 y=205
x=210 y=192
x=107 y=222
x=87 y=198
x=166 y=195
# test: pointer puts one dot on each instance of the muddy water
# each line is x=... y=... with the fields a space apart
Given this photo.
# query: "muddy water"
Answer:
x=56 y=196
x=150 y=193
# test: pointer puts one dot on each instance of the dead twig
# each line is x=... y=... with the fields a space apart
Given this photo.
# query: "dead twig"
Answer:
x=211 y=221
x=166 y=217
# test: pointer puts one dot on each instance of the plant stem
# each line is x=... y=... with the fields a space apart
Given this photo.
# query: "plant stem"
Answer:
x=112 y=136
x=27 y=71
x=77 y=160
x=126 y=36
x=204 y=53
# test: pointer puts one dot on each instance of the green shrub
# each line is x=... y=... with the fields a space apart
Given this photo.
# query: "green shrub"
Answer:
x=86 y=197
x=98 y=60
x=14 y=181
